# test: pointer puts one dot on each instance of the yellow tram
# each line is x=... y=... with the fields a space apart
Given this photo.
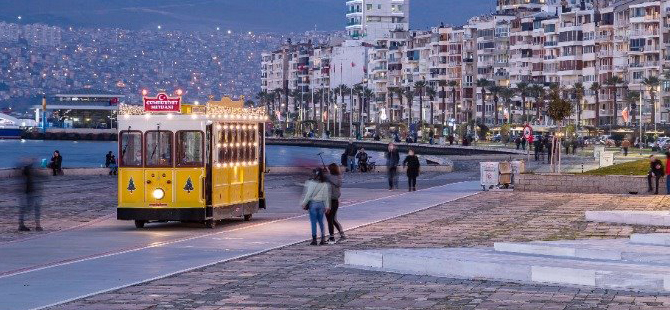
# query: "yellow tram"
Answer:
x=197 y=163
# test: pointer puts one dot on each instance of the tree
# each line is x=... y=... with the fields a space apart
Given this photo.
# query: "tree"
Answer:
x=400 y=92
x=633 y=97
x=537 y=91
x=419 y=90
x=453 y=84
x=614 y=82
x=483 y=84
x=430 y=92
x=558 y=110
x=262 y=97
x=595 y=88
x=443 y=97
x=368 y=96
x=652 y=83
x=495 y=90
x=391 y=92
x=409 y=95
x=578 y=91
x=522 y=90
x=507 y=94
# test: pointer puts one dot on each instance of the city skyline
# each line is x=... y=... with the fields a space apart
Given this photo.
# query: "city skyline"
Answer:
x=270 y=16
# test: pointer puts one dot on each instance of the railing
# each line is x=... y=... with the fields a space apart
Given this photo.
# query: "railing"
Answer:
x=605 y=53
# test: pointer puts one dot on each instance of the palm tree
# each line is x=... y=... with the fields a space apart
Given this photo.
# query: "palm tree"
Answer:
x=391 y=92
x=595 y=88
x=614 y=82
x=507 y=93
x=431 y=93
x=633 y=98
x=358 y=91
x=536 y=91
x=453 y=84
x=368 y=96
x=262 y=97
x=409 y=95
x=652 y=83
x=443 y=105
x=494 y=90
x=400 y=92
x=522 y=90
x=277 y=99
x=578 y=90
x=420 y=89
x=483 y=84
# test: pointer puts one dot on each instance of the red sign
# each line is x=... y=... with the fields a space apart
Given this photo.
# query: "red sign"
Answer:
x=528 y=132
x=162 y=103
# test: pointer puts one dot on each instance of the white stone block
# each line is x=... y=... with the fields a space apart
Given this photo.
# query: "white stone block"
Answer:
x=560 y=275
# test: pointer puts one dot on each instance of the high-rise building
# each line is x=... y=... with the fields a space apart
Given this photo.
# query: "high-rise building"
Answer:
x=371 y=20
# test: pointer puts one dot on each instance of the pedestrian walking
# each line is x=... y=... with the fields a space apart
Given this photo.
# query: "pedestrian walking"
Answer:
x=316 y=199
x=30 y=197
x=567 y=147
x=351 y=156
x=392 y=161
x=108 y=159
x=655 y=171
x=413 y=165
x=56 y=163
x=335 y=180
x=625 y=144
x=537 y=146
x=517 y=141
x=548 y=146
x=575 y=144
x=113 y=167
x=523 y=143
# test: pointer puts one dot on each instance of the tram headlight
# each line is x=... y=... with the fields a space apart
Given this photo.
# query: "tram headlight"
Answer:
x=158 y=193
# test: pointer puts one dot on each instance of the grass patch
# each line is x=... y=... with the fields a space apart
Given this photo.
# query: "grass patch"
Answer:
x=638 y=167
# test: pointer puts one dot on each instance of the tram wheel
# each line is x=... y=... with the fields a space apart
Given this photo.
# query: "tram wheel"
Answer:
x=139 y=223
x=210 y=223
x=247 y=217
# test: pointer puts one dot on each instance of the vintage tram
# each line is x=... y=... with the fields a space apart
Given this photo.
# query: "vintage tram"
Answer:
x=190 y=163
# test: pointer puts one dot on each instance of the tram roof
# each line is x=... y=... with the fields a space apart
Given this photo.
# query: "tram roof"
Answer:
x=225 y=109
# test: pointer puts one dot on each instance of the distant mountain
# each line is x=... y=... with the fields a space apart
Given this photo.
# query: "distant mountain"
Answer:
x=238 y=15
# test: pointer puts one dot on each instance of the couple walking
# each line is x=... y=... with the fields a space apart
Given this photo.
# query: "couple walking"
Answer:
x=412 y=163
x=322 y=197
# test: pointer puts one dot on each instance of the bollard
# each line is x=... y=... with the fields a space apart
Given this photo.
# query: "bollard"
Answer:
x=582 y=167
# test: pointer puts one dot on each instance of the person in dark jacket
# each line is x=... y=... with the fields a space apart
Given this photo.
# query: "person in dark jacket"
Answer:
x=56 y=163
x=362 y=157
x=108 y=159
x=335 y=180
x=30 y=200
x=351 y=156
x=523 y=143
x=413 y=165
x=655 y=171
x=537 y=147
x=548 y=145
x=392 y=161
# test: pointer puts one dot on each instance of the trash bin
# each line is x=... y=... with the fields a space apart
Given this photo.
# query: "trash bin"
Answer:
x=488 y=174
x=505 y=170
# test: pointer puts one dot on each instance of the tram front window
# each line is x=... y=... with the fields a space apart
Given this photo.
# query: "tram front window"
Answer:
x=189 y=149
x=158 y=149
x=131 y=149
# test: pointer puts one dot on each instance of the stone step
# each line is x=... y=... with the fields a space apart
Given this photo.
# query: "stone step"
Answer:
x=651 y=239
x=488 y=264
x=646 y=218
x=614 y=249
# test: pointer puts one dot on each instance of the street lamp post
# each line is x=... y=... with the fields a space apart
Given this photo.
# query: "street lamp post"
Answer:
x=640 y=120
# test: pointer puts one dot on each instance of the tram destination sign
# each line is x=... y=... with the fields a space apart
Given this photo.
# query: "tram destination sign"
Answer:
x=162 y=103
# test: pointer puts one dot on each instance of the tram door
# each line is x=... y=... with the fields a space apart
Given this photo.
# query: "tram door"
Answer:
x=209 y=136
x=261 y=167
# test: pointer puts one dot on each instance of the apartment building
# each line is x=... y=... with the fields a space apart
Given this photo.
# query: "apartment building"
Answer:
x=527 y=42
x=371 y=20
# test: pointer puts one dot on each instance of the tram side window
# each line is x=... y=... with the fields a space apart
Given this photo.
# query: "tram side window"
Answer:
x=131 y=149
x=158 y=149
x=223 y=148
x=252 y=142
x=189 y=148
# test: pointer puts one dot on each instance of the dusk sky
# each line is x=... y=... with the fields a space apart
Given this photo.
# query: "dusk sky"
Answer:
x=243 y=15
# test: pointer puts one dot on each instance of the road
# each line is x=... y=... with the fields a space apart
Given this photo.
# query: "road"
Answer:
x=107 y=254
